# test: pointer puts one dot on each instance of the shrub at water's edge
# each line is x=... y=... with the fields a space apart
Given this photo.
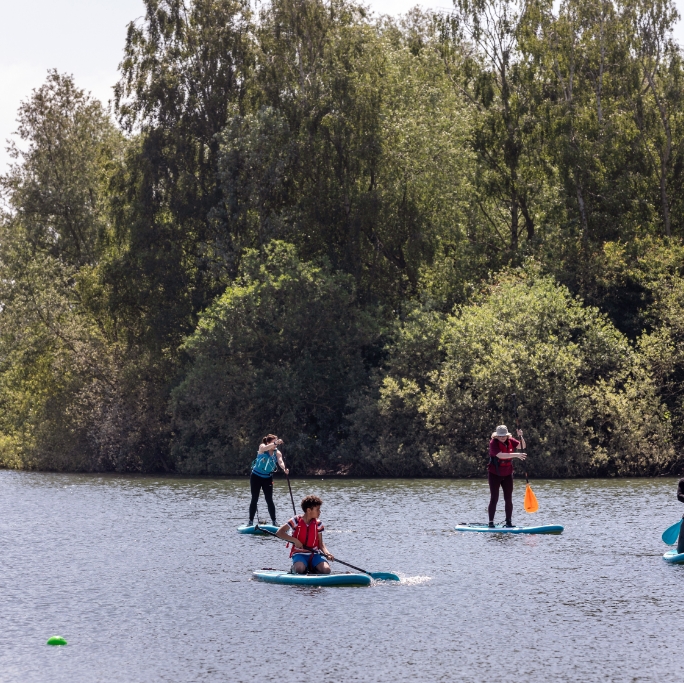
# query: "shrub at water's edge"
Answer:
x=586 y=402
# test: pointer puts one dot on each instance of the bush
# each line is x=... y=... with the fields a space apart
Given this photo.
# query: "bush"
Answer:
x=584 y=398
x=280 y=351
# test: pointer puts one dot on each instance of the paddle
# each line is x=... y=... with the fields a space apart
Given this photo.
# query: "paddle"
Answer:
x=287 y=476
x=378 y=576
x=671 y=534
x=294 y=509
x=530 y=504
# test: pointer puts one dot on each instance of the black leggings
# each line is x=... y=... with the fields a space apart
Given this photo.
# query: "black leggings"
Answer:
x=506 y=484
x=680 y=540
x=256 y=483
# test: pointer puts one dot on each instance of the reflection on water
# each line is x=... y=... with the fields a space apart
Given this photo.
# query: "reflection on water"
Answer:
x=148 y=581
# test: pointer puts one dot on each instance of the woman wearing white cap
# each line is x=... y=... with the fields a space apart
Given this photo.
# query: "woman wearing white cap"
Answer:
x=500 y=470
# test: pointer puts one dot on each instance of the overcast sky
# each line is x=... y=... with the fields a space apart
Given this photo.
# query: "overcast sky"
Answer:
x=85 y=38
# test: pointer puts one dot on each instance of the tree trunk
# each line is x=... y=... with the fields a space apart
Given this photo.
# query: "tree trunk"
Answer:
x=664 y=154
x=582 y=210
x=514 y=223
x=529 y=222
x=665 y=207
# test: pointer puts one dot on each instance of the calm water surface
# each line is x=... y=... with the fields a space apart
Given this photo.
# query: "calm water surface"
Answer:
x=148 y=581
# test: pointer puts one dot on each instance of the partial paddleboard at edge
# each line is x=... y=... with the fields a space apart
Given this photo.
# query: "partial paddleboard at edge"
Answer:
x=484 y=529
x=285 y=578
x=251 y=529
x=673 y=557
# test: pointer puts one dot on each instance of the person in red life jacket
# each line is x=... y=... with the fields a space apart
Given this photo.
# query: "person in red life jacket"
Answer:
x=500 y=470
x=308 y=553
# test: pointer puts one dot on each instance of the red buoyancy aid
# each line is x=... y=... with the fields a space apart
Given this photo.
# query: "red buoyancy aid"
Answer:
x=503 y=467
x=307 y=534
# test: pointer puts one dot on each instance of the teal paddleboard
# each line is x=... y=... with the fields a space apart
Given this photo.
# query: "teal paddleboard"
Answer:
x=483 y=528
x=275 y=576
x=673 y=557
x=251 y=529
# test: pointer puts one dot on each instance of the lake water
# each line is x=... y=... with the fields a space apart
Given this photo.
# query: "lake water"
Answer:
x=148 y=580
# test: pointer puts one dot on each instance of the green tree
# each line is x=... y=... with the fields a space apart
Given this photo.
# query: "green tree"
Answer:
x=59 y=374
x=498 y=80
x=55 y=187
x=183 y=71
x=662 y=79
x=280 y=350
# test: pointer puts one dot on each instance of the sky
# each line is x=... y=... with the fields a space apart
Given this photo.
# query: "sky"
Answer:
x=86 y=38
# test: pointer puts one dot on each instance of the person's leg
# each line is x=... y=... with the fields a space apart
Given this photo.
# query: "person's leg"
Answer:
x=680 y=540
x=320 y=564
x=300 y=563
x=268 y=495
x=255 y=487
x=507 y=486
x=493 y=495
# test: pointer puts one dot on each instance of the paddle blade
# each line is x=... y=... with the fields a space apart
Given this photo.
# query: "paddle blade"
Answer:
x=671 y=534
x=531 y=504
x=384 y=576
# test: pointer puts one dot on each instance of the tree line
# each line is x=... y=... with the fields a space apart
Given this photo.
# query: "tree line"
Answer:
x=378 y=238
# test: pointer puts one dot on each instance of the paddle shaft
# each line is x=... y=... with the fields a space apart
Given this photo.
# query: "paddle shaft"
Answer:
x=306 y=547
x=294 y=509
x=287 y=476
x=517 y=426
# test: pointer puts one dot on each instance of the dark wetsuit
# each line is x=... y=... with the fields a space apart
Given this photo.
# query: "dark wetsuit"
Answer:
x=256 y=484
x=680 y=498
x=500 y=474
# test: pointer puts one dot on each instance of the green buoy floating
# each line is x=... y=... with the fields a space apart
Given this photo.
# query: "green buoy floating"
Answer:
x=56 y=640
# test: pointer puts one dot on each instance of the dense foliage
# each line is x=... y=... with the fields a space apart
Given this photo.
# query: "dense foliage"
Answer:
x=378 y=238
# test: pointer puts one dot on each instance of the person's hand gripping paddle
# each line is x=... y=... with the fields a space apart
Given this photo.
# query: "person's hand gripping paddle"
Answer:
x=530 y=504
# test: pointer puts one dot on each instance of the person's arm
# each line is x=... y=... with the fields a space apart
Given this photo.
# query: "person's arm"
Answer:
x=522 y=440
x=266 y=447
x=323 y=549
x=281 y=462
x=502 y=455
x=283 y=533
x=510 y=456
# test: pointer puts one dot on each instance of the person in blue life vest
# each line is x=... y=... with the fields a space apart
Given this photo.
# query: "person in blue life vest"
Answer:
x=308 y=553
x=268 y=459
x=500 y=471
x=680 y=498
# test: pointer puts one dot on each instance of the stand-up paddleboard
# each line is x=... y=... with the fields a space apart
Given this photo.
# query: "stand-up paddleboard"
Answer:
x=485 y=529
x=673 y=557
x=251 y=529
x=275 y=576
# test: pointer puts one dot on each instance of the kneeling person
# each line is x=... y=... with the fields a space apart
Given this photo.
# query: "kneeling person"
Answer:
x=308 y=549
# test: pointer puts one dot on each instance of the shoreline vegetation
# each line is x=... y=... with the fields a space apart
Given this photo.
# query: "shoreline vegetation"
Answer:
x=375 y=237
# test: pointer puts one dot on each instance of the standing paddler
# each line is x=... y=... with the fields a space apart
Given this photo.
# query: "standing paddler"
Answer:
x=268 y=459
x=502 y=449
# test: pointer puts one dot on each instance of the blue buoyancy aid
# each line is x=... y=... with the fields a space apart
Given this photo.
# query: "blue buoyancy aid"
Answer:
x=265 y=464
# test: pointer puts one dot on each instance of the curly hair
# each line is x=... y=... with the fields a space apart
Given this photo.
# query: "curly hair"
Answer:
x=311 y=502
